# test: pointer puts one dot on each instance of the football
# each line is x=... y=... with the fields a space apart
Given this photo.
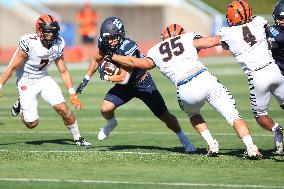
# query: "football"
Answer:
x=110 y=68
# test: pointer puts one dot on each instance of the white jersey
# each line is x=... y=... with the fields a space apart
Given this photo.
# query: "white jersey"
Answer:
x=176 y=56
x=248 y=44
x=39 y=57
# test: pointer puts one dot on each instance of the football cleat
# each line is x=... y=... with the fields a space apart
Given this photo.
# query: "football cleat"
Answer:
x=252 y=152
x=278 y=140
x=16 y=108
x=213 y=149
x=104 y=132
x=82 y=142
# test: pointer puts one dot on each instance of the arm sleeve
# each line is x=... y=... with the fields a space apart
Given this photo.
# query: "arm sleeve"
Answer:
x=24 y=44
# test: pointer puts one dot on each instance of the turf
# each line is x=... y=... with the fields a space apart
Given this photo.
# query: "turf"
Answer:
x=141 y=152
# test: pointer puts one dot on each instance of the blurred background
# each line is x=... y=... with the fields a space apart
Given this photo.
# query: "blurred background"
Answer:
x=144 y=21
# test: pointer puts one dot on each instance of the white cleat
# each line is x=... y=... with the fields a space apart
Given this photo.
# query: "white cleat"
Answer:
x=279 y=147
x=104 y=132
x=252 y=152
x=278 y=140
x=213 y=148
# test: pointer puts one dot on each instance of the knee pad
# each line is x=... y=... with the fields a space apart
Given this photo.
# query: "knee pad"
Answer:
x=282 y=106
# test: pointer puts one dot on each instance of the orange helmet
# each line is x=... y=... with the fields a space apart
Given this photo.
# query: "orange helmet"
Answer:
x=238 y=12
x=172 y=30
x=47 y=24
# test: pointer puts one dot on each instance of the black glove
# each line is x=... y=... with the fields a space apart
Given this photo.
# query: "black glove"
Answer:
x=82 y=85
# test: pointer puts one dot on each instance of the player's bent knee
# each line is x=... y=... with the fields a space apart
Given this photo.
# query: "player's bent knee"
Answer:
x=31 y=125
x=107 y=108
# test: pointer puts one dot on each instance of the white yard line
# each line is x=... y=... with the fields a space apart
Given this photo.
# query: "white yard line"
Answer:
x=121 y=118
x=142 y=183
x=118 y=133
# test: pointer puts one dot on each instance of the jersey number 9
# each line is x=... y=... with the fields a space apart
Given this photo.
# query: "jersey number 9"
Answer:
x=171 y=48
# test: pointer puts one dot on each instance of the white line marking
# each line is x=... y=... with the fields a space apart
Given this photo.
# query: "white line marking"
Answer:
x=97 y=151
x=141 y=183
x=121 y=118
x=126 y=132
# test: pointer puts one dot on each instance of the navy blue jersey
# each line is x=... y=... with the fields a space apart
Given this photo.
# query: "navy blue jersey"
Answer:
x=277 y=34
x=127 y=48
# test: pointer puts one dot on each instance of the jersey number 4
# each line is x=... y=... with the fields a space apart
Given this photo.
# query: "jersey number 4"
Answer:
x=171 y=48
x=248 y=37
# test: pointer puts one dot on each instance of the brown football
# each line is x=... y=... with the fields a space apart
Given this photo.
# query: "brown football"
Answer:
x=110 y=68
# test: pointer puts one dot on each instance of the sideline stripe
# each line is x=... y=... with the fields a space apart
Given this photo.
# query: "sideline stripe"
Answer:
x=140 y=183
x=115 y=132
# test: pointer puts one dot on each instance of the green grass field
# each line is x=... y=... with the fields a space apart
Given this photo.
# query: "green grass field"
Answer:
x=141 y=152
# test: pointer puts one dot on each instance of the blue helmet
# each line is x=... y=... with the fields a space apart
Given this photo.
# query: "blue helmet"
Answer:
x=278 y=11
x=112 y=28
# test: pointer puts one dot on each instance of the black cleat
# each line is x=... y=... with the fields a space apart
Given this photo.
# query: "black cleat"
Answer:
x=16 y=108
x=82 y=142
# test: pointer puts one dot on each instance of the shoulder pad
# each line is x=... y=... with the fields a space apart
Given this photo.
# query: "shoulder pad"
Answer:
x=128 y=47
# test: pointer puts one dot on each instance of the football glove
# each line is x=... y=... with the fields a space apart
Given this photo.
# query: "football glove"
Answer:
x=75 y=101
x=82 y=85
x=101 y=72
x=108 y=56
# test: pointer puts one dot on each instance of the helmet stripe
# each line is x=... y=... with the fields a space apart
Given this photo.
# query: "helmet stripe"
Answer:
x=175 y=29
x=181 y=30
x=42 y=20
x=169 y=32
x=51 y=18
x=245 y=11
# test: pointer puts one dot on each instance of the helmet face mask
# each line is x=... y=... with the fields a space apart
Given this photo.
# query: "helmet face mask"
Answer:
x=112 y=33
x=47 y=29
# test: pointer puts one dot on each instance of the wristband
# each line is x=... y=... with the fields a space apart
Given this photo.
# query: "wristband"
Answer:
x=71 y=91
x=87 y=77
x=1 y=86
x=106 y=77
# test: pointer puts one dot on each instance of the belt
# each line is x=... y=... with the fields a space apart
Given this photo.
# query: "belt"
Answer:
x=190 y=77
x=263 y=66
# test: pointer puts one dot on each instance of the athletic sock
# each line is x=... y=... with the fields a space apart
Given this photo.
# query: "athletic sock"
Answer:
x=207 y=136
x=111 y=122
x=247 y=140
x=74 y=130
x=182 y=137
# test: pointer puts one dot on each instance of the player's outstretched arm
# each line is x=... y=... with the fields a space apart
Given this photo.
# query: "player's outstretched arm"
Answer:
x=18 y=59
x=207 y=42
x=67 y=79
x=133 y=62
x=93 y=66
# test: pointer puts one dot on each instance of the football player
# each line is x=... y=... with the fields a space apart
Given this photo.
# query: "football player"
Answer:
x=276 y=34
x=33 y=56
x=129 y=83
x=246 y=38
x=176 y=56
